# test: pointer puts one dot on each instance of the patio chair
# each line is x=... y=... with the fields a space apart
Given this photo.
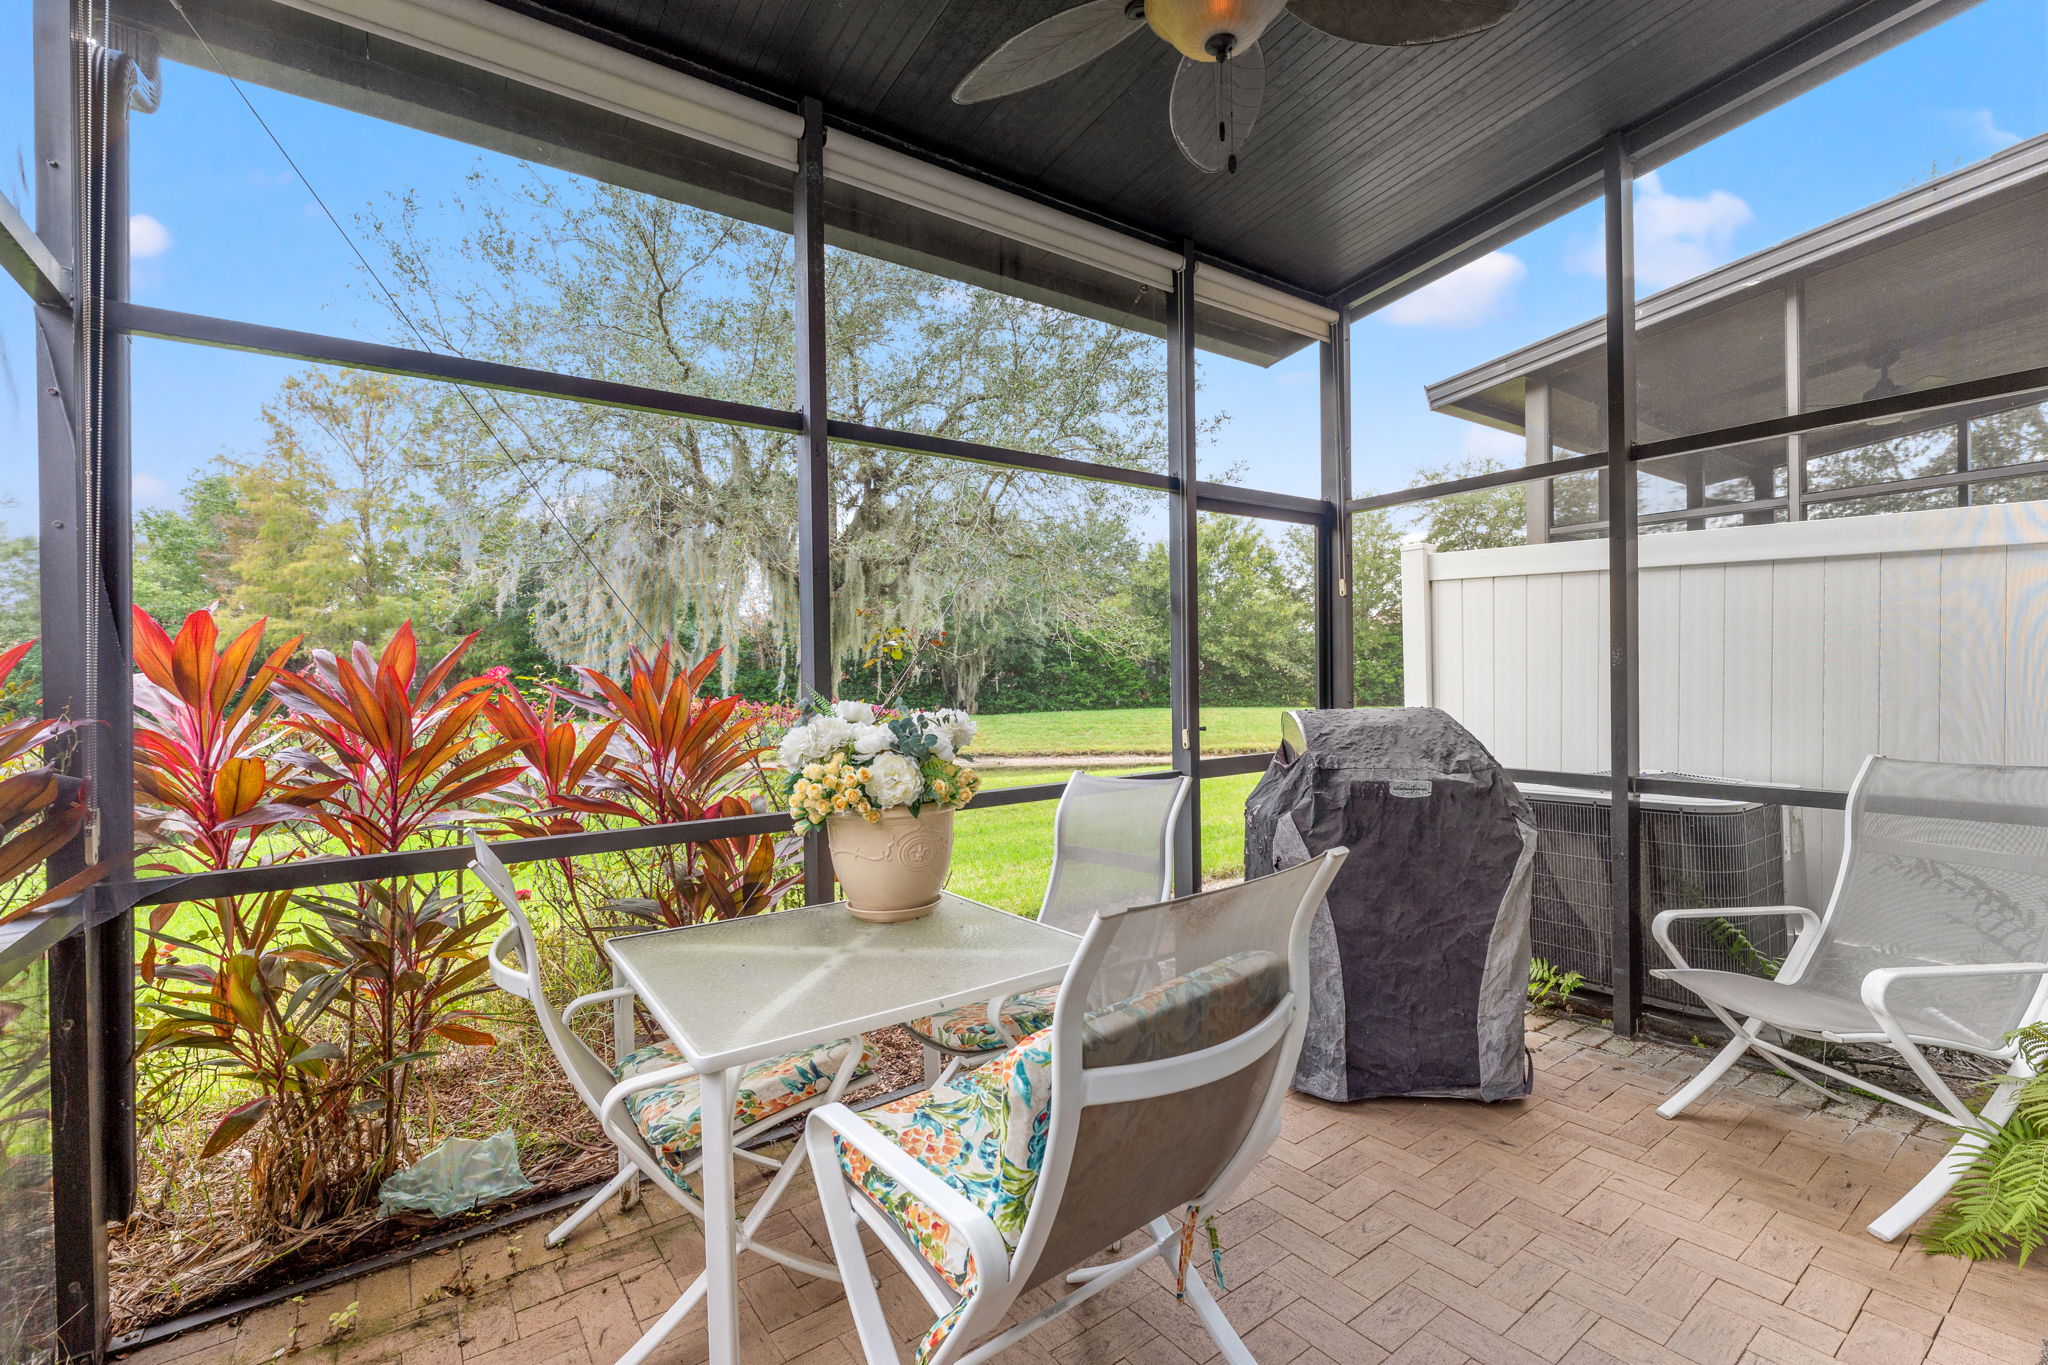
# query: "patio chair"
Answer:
x=1936 y=936
x=1112 y=847
x=1138 y=1104
x=648 y=1104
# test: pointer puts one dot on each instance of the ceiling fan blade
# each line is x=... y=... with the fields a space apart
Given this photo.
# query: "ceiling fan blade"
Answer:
x=1399 y=23
x=1049 y=48
x=1214 y=105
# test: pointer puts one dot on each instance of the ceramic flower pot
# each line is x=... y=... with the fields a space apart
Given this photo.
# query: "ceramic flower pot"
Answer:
x=894 y=868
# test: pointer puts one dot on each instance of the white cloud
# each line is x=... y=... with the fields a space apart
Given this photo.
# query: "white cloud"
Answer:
x=1982 y=125
x=1678 y=236
x=147 y=490
x=1473 y=293
x=147 y=237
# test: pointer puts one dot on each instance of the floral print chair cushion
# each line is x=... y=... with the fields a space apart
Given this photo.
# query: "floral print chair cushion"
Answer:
x=967 y=1029
x=1209 y=1005
x=984 y=1133
x=671 y=1117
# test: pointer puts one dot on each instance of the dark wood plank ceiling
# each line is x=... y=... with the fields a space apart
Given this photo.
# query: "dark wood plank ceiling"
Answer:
x=1358 y=152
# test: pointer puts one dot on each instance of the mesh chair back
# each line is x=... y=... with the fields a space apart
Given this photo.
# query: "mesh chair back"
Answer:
x=591 y=1077
x=1148 y=1117
x=1947 y=864
x=1112 y=838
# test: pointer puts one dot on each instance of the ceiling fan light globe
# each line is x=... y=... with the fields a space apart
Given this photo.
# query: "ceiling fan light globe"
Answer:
x=1194 y=27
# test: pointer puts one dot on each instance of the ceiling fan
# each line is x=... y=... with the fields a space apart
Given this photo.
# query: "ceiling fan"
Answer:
x=1222 y=73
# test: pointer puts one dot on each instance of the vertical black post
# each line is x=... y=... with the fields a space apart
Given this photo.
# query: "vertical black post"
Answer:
x=1624 y=888
x=69 y=612
x=814 y=456
x=113 y=740
x=1336 y=672
x=1184 y=634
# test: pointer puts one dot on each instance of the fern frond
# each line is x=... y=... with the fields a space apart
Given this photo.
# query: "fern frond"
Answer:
x=2000 y=1203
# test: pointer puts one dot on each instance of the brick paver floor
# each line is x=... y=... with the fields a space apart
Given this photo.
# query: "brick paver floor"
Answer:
x=1573 y=1228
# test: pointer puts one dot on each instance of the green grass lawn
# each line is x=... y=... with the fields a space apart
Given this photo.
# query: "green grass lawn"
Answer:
x=1131 y=730
x=1003 y=856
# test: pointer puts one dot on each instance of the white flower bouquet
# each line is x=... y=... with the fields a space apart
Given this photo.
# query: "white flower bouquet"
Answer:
x=852 y=759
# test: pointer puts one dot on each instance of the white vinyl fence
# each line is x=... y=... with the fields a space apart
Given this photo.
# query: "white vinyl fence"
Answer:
x=1778 y=653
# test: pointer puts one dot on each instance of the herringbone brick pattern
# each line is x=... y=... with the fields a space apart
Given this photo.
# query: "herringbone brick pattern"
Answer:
x=1574 y=1228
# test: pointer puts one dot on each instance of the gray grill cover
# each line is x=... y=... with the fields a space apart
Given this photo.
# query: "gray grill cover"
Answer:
x=1419 y=959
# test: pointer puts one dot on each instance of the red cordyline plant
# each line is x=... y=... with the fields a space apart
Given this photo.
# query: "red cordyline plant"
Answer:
x=398 y=741
x=233 y=994
x=41 y=809
x=201 y=723
x=551 y=792
x=676 y=755
x=404 y=746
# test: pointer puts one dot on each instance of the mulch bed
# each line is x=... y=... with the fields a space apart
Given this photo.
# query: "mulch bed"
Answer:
x=190 y=1219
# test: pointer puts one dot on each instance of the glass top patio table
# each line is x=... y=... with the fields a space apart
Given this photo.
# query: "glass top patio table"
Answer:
x=739 y=990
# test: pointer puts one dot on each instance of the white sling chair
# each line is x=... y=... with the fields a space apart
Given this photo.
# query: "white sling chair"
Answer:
x=1936 y=936
x=649 y=1105
x=1112 y=847
x=1137 y=1105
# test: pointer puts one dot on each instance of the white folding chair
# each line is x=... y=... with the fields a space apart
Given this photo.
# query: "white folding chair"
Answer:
x=648 y=1105
x=1936 y=936
x=1141 y=1102
x=1112 y=847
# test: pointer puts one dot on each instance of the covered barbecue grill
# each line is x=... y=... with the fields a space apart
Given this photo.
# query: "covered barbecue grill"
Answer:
x=1419 y=960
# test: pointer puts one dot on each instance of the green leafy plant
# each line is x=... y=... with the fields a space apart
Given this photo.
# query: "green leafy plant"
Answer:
x=2000 y=1205
x=1738 y=945
x=1549 y=988
x=255 y=1014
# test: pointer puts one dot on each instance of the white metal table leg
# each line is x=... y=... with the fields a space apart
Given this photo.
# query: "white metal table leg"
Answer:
x=721 y=1234
x=622 y=1021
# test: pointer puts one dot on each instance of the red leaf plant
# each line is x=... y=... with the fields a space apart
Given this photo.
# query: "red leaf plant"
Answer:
x=551 y=793
x=203 y=783
x=398 y=742
x=233 y=994
x=41 y=809
x=202 y=721
x=675 y=755
x=404 y=746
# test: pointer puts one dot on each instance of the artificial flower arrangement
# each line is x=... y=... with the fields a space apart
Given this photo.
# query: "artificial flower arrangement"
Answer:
x=850 y=758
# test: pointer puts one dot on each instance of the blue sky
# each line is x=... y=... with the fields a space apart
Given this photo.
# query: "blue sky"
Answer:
x=223 y=226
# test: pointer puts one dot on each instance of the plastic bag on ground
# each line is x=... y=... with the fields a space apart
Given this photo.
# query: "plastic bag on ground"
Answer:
x=459 y=1175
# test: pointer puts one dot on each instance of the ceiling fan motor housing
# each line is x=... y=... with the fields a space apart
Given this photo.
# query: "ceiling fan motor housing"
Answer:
x=1211 y=30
